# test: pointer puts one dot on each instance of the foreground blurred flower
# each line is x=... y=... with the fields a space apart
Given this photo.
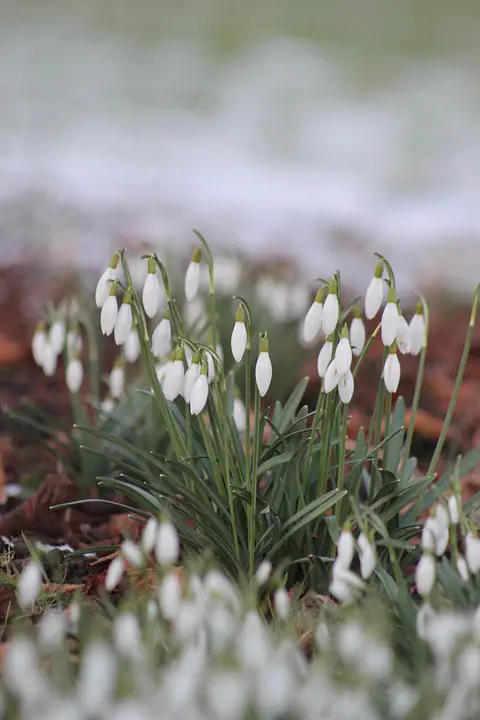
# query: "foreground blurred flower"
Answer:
x=149 y=534
x=162 y=337
x=417 y=331
x=375 y=293
x=331 y=309
x=368 y=558
x=132 y=553
x=263 y=572
x=169 y=596
x=39 y=343
x=324 y=357
x=345 y=584
x=50 y=360
x=403 y=335
x=345 y=387
x=57 y=336
x=390 y=319
x=345 y=548
x=239 y=414
x=357 y=334
x=117 y=380
x=199 y=393
x=313 y=320
x=124 y=321
x=174 y=379
x=238 y=340
x=167 y=546
x=97 y=678
x=425 y=574
x=263 y=368
x=103 y=286
x=74 y=375
x=132 y=349
x=462 y=568
x=114 y=573
x=282 y=603
x=391 y=371
x=472 y=552
x=152 y=294
x=29 y=584
x=192 y=277
x=108 y=316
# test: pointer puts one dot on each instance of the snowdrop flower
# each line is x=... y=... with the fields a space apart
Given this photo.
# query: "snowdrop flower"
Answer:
x=39 y=343
x=454 y=505
x=74 y=375
x=21 y=662
x=366 y=552
x=345 y=549
x=403 y=335
x=149 y=534
x=96 y=683
x=357 y=334
x=425 y=574
x=167 y=546
x=108 y=316
x=132 y=349
x=263 y=368
x=462 y=568
x=428 y=534
x=132 y=553
x=170 y=596
x=263 y=572
x=103 y=286
x=324 y=357
x=472 y=553
x=281 y=602
x=114 y=573
x=238 y=340
x=199 y=393
x=313 y=320
x=173 y=383
x=331 y=309
x=191 y=377
x=57 y=336
x=425 y=616
x=227 y=695
x=127 y=635
x=343 y=353
x=107 y=404
x=391 y=370
x=192 y=277
x=332 y=377
x=417 y=331
x=210 y=366
x=441 y=529
x=52 y=628
x=239 y=414
x=162 y=337
x=375 y=293
x=50 y=359
x=345 y=585
x=346 y=387
x=152 y=294
x=390 y=319
x=117 y=379
x=124 y=321
x=29 y=584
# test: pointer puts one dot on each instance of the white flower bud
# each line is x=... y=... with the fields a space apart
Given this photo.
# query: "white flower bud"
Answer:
x=332 y=377
x=263 y=373
x=429 y=532
x=192 y=277
x=425 y=574
x=132 y=553
x=132 y=349
x=173 y=383
x=123 y=324
x=114 y=573
x=117 y=381
x=170 y=596
x=331 y=313
x=127 y=635
x=74 y=375
x=390 y=321
x=442 y=522
x=472 y=553
x=345 y=549
x=57 y=336
x=191 y=377
x=282 y=603
x=96 y=683
x=29 y=584
x=425 y=616
x=357 y=336
x=324 y=357
x=108 y=316
x=239 y=341
x=49 y=364
x=454 y=509
x=391 y=373
x=313 y=320
x=152 y=295
x=162 y=339
x=149 y=534
x=239 y=415
x=52 y=629
x=346 y=387
x=210 y=366
x=263 y=572
x=375 y=293
x=39 y=343
x=199 y=395
x=167 y=546
x=462 y=568
x=343 y=356
x=368 y=558
x=345 y=584
x=403 y=335
x=417 y=332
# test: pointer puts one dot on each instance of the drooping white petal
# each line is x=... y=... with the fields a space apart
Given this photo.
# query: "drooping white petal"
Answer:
x=374 y=297
x=191 y=376
x=417 y=332
x=462 y=568
x=210 y=366
x=238 y=341
x=389 y=323
x=345 y=549
x=173 y=383
x=74 y=375
x=57 y=336
x=332 y=377
x=454 y=505
x=263 y=572
x=239 y=414
x=442 y=524
x=162 y=339
x=472 y=553
x=343 y=356
x=123 y=324
x=263 y=373
x=117 y=382
x=391 y=373
x=114 y=573
x=103 y=286
x=403 y=335
x=331 y=313
x=429 y=532
x=324 y=357
x=132 y=348
x=282 y=603
x=152 y=295
x=425 y=574
x=167 y=546
x=192 y=281
x=132 y=553
x=39 y=342
x=357 y=336
x=49 y=364
x=199 y=395
x=367 y=555
x=108 y=316
x=29 y=584
x=313 y=322
x=346 y=387
x=169 y=596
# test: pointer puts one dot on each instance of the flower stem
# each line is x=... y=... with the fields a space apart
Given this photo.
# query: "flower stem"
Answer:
x=253 y=484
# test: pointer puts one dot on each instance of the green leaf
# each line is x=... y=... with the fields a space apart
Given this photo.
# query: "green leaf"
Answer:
x=274 y=462
x=395 y=444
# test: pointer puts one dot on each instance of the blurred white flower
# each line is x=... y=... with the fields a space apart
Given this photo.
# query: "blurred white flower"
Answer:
x=472 y=553
x=49 y=364
x=123 y=323
x=368 y=556
x=239 y=415
x=149 y=534
x=114 y=573
x=52 y=629
x=117 y=381
x=132 y=553
x=345 y=584
x=74 y=375
x=227 y=695
x=57 y=336
x=425 y=574
x=462 y=568
x=282 y=603
x=454 y=505
x=39 y=343
x=345 y=549
x=169 y=596
x=29 y=584
x=97 y=678
x=263 y=572
x=167 y=545
x=127 y=635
